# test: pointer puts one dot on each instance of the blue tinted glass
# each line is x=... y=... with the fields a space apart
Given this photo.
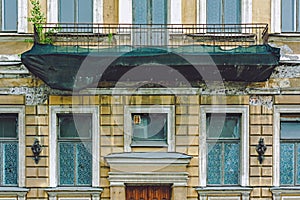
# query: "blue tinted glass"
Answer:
x=8 y=125
x=84 y=163
x=149 y=126
x=10 y=161
x=223 y=125
x=298 y=164
x=231 y=163
x=287 y=15
x=159 y=8
x=290 y=129
x=287 y=162
x=85 y=11
x=214 y=164
x=67 y=11
x=66 y=163
x=298 y=16
x=213 y=11
x=140 y=15
x=232 y=13
x=75 y=125
x=9 y=9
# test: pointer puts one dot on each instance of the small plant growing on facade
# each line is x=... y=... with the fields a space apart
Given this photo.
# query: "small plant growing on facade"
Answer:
x=38 y=19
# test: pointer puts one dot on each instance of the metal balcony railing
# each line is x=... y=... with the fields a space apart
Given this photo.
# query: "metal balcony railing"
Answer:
x=96 y=36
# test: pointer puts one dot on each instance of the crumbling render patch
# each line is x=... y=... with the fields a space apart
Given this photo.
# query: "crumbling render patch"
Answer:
x=284 y=71
x=258 y=100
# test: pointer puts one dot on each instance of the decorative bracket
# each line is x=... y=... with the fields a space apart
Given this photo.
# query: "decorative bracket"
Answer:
x=261 y=149
x=36 y=149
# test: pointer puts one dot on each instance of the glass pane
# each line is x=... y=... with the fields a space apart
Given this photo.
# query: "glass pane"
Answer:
x=214 y=164
x=287 y=16
x=10 y=167
x=232 y=13
x=298 y=16
x=66 y=163
x=231 y=163
x=10 y=10
x=223 y=125
x=159 y=11
x=75 y=125
x=140 y=14
x=149 y=126
x=8 y=125
x=289 y=126
x=213 y=10
x=298 y=164
x=85 y=11
x=84 y=163
x=287 y=163
x=67 y=11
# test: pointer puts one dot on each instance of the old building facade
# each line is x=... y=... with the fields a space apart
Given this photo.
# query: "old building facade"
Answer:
x=150 y=99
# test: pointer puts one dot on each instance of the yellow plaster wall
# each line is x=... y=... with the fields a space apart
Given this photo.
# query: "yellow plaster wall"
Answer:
x=261 y=11
x=110 y=11
x=189 y=11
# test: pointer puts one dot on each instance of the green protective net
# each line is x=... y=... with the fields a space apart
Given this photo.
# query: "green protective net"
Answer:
x=75 y=68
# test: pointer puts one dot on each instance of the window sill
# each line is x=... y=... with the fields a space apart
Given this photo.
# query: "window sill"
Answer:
x=13 y=191
x=149 y=144
x=71 y=191
x=285 y=190
x=234 y=190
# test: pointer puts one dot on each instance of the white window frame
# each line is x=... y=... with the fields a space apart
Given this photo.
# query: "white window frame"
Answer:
x=22 y=13
x=52 y=11
x=276 y=16
x=169 y=110
x=246 y=11
x=18 y=191
x=279 y=109
x=174 y=14
x=244 y=141
x=53 y=171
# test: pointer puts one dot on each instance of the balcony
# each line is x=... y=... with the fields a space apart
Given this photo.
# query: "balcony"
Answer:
x=78 y=56
x=96 y=36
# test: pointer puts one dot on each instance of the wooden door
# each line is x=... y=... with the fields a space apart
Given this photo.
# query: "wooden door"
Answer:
x=148 y=193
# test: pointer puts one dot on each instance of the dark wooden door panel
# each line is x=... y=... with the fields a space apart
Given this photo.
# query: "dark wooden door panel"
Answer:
x=148 y=193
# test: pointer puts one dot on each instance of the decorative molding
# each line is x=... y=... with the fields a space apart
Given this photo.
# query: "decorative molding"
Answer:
x=241 y=191
x=33 y=96
x=14 y=191
x=259 y=100
x=122 y=178
x=280 y=192
x=56 y=192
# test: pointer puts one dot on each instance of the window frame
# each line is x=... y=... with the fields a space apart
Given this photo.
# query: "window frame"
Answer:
x=222 y=141
x=174 y=12
x=75 y=141
x=244 y=141
x=169 y=110
x=22 y=15
x=246 y=11
x=276 y=22
x=20 y=111
x=53 y=154
x=53 y=12
x=278 y=110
